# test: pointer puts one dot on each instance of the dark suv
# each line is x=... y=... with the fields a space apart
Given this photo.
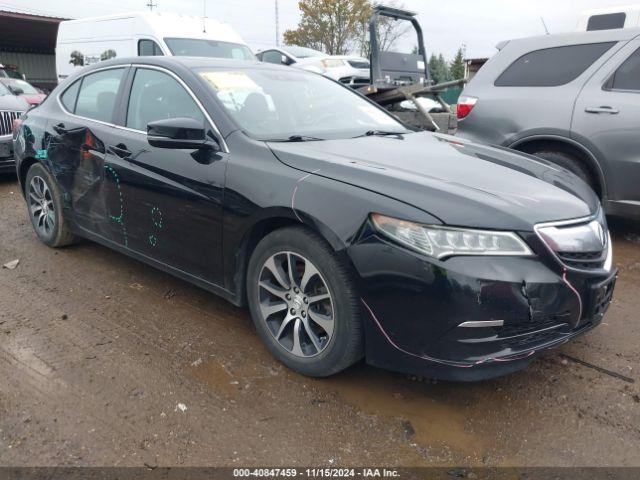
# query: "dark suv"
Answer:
x=572 y=99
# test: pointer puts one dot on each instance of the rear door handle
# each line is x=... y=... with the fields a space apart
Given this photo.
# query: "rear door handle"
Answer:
x=120 y=150
x=602 y=109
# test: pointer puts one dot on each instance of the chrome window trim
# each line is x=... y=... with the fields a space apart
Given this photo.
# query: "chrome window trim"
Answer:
x=212 y=124
x=608 y=263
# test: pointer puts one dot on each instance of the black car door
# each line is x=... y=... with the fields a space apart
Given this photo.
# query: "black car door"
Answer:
x=169 y=203
x=78 y=131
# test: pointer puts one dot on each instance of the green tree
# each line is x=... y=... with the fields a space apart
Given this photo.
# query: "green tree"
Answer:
x=439 y=69
x=457 y=66
x=329 y=25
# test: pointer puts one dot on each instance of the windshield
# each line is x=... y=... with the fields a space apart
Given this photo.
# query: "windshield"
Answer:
x=24 y=86
x=278 y=103
x=200 y=47
x=302 y=52
x=13 y=74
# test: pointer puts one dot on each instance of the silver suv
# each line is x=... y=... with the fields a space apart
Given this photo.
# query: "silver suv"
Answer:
x=572 y=99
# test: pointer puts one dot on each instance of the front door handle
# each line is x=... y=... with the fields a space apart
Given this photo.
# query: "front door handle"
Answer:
x=120 y=150
x=602 y=109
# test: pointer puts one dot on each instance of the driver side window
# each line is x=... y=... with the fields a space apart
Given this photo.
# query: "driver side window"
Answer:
x=157 y=95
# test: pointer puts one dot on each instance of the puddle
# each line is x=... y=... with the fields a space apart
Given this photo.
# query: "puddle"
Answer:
x=214 y=376
x=429 y=415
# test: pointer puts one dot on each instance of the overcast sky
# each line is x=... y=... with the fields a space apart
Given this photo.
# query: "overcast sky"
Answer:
x=479 y=24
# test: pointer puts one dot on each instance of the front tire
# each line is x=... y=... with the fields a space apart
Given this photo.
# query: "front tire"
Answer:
x=44 y=204
x=303 y=303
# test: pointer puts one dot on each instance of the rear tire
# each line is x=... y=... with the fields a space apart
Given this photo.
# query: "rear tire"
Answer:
x=311 y=324
x=44 y=205
x=569 y=162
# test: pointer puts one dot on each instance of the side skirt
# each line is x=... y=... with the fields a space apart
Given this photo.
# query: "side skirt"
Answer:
x=197 y=281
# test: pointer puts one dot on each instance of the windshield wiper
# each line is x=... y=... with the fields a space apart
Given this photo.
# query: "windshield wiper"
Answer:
x=380 y=133
x=297 y=138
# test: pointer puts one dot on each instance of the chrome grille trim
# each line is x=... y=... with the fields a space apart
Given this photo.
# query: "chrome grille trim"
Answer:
x=6 y=121
x=605 y=263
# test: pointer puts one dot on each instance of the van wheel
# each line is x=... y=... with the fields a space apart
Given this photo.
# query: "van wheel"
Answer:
x=44 y=204
x=569 y=162
x=304 y=304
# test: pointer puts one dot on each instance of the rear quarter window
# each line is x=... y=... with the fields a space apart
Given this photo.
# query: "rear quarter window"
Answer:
x=552 y=67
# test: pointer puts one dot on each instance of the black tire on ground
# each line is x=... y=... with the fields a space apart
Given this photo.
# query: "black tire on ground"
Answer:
x=59 y=234
x=345 y=345
x=569 y=162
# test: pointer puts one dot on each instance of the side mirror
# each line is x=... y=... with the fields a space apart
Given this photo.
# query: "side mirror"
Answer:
x=180 y=133
x=16 y=90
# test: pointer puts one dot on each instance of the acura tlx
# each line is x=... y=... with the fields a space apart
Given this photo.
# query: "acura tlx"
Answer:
x=345 y=232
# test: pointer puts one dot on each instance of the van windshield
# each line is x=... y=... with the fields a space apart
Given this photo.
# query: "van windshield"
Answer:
x=201 y=47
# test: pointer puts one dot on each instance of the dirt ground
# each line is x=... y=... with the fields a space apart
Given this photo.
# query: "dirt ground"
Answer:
x=105 y=361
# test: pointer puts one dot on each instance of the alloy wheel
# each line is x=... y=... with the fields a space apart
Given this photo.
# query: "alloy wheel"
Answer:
x=41 y=206
x=296 y=304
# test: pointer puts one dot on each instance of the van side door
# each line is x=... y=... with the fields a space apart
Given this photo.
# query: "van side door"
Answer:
x=607 y=119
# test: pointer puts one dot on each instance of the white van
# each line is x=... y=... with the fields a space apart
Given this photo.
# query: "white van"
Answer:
x=90 y=40
x=610 y=18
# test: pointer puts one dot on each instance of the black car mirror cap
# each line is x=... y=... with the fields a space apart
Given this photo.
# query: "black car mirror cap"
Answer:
x=181 y=133
x=16 y=90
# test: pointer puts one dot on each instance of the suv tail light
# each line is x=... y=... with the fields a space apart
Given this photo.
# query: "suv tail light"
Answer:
x=465 y=105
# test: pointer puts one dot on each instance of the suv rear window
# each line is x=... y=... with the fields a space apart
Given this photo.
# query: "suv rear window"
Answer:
x=552 y=67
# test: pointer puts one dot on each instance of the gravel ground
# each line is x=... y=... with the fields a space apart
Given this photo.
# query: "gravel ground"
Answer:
x=105 y=361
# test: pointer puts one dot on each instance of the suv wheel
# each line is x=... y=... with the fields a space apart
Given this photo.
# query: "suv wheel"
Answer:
x=569 y=162
x=303 y=303
x=45 y=208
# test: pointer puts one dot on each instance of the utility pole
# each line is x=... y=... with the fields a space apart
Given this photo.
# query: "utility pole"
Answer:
x=277 y=25
x=151 y=5
x=204 y=16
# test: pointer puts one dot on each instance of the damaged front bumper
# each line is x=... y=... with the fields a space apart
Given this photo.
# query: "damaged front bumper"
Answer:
x=471 y=318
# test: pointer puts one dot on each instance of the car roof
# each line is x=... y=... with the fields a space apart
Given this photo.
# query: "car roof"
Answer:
x=188 y=62
x=574 y=38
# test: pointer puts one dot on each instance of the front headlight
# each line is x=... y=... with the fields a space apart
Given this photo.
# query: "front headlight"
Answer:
x=440 y=242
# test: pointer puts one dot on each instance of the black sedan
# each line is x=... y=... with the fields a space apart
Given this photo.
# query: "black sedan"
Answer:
x=346 y=233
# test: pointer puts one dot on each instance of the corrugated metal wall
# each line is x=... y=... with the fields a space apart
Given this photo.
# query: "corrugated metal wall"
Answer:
x=38 y=68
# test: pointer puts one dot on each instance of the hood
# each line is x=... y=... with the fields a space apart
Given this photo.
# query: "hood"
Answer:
x=459 y=182
x=13 y=103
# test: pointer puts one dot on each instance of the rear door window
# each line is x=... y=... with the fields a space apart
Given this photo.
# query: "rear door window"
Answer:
x=627 y=77
x=68 y=98
x=98 y=93
x=552 y=67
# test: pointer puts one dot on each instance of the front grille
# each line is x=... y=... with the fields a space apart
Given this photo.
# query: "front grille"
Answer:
x=360 y=64
x=6 y=121
x=581 y=245
x=584 y=260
